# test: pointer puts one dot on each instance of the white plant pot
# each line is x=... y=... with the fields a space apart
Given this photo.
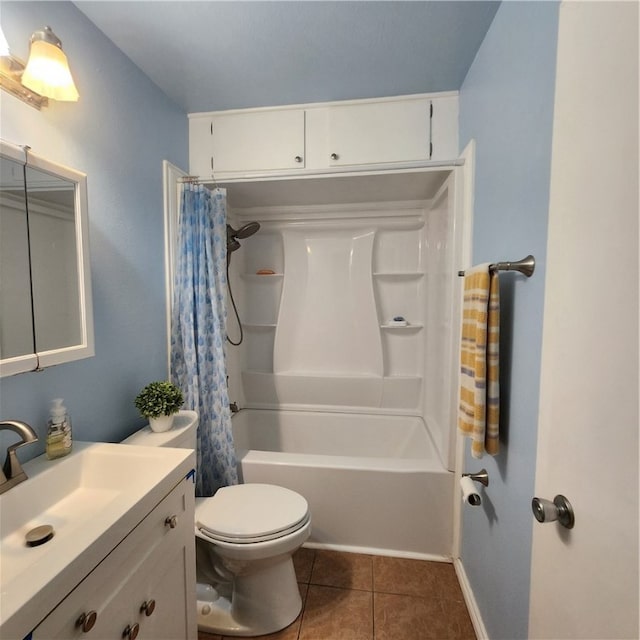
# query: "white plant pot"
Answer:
x=161 y=423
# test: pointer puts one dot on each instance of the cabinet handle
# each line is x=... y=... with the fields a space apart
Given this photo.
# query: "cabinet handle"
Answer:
x=86 y=621
x=131 y=632
x=334 y=156
x=148 y=607
x=298 y=158
x=171 y=522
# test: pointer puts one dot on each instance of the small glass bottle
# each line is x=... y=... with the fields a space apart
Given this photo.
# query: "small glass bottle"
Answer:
x=59 y=438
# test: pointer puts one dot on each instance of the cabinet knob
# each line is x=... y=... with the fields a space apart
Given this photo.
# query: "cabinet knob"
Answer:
x=86 y=621
x=148 y=607
x=171 y=522
x=334 y=156
x=131 y=632
x=298 y=158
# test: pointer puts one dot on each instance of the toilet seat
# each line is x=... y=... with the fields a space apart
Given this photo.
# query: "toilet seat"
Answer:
x=251 y=513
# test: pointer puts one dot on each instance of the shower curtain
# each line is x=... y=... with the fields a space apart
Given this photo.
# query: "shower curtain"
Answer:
x=198 y=330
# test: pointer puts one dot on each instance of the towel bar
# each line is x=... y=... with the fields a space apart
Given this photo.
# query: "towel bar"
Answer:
x=525 y=266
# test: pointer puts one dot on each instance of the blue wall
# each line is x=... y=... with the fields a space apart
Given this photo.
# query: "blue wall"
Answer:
x=118 y=134
x=506 y=104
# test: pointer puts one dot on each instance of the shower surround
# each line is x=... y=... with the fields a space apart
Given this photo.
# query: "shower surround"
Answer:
x=350 y=313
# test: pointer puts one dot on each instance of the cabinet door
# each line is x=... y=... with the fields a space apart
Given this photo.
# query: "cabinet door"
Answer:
x=169 y=586
x=380 y=132
x=258 y=141
x=155 y=561
x=444 y=128
x=201 y=146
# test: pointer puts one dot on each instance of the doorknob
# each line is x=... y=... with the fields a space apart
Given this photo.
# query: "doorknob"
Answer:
x=560 y=509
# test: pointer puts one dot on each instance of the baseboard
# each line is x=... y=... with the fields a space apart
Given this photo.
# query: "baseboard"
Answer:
x=374 y=551
x=469 y=598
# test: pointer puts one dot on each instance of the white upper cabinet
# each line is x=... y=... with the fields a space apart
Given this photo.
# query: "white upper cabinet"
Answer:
x=379 y=132
x=251 y=141
x=322 y=137
x=444 y=128
x=200 y=146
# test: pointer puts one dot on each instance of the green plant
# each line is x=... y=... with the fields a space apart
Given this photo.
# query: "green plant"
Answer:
x=159 y=399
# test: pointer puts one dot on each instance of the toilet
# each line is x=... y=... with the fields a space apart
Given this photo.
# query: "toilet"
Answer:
x=246 y=535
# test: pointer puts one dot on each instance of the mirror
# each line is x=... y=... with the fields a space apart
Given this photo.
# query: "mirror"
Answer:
x=45 y=290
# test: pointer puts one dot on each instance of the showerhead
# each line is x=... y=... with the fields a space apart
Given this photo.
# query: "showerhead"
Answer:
x=247 y=230
x=243 y=232
x=232 y=245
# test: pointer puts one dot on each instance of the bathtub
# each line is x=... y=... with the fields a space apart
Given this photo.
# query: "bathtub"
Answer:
x=374 y=483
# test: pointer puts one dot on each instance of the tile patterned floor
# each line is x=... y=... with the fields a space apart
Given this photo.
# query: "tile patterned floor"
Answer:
x=350 y=596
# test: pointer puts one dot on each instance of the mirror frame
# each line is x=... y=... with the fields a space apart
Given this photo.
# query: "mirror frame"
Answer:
x=86 y=347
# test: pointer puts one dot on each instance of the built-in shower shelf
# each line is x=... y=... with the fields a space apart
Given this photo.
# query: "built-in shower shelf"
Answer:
x=396 y=391
x=400 y=275
x=401 y=327
x=261 y=276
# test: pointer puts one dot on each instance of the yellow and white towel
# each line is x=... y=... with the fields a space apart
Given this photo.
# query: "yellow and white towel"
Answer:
x=479 y=411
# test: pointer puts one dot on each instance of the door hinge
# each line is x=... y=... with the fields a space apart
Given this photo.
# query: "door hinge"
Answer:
x=430 y=130
x=212 y=128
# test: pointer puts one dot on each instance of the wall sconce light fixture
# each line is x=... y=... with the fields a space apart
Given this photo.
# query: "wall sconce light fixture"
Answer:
x=45 y=76
x=4 y=45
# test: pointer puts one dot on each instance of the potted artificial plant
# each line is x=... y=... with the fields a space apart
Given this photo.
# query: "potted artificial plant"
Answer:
x=159 y=402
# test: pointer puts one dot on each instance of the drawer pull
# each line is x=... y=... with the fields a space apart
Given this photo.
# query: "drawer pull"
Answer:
x=86 y=621
x=171 y=522
x=132 y=631
x=148 y=607
x=298 y=158
x=334 y=156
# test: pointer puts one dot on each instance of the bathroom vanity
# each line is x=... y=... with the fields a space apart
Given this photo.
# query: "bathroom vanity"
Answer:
x=121 y=562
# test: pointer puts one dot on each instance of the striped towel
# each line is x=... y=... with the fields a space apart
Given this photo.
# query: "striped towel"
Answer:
x=479 y=411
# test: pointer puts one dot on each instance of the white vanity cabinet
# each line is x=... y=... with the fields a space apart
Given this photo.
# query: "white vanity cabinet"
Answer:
x=246 y=141
x=323 y=137
x=144 y=588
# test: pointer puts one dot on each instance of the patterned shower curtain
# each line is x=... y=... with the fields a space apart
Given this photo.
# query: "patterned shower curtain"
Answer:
x=198 y=330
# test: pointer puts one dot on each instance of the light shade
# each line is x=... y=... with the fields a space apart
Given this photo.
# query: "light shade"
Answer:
x=4 y=45
x=47 y=71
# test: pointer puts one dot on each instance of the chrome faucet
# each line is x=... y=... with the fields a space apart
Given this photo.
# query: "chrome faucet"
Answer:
x=12 y=473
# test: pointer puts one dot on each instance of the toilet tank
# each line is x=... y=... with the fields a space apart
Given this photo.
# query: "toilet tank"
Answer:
x=182 y=435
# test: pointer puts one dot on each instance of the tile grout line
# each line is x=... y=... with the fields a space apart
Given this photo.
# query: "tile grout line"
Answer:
x=373 y=601
x=306 y=597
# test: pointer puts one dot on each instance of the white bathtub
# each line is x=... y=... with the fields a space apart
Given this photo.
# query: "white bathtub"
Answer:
x=374 y=483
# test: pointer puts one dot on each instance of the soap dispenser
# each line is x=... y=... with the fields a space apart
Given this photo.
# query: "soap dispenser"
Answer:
x=59 y=440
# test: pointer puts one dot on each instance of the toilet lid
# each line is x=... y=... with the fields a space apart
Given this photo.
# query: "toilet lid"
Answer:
x=247 y=513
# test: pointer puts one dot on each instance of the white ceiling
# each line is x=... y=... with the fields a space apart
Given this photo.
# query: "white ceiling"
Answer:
x=235 y=54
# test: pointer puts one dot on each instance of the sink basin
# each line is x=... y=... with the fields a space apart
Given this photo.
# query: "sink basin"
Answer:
x=92 y=498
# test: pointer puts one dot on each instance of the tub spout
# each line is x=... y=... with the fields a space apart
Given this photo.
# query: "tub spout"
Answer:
x=12 y=472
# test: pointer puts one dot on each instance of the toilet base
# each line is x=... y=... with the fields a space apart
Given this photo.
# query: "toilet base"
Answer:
x=255 y=608
x=215 y=617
